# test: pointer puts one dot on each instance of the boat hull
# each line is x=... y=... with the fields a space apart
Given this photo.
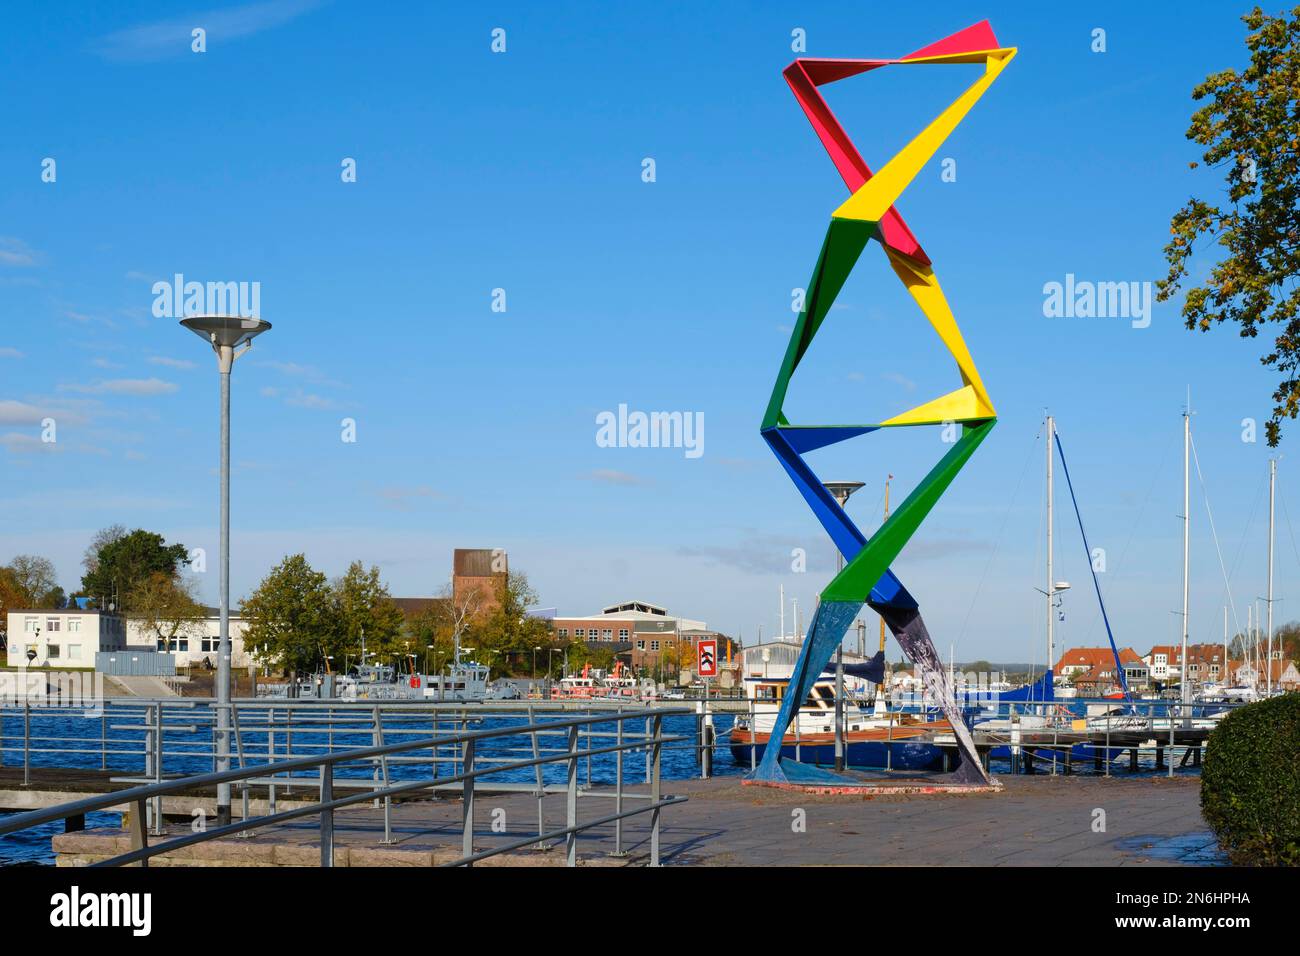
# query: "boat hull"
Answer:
x=865 y=750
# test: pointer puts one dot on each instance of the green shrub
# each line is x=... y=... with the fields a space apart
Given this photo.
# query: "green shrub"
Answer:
x=1250 y=784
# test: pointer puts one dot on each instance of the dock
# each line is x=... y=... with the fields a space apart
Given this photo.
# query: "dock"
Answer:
x=1035 y=821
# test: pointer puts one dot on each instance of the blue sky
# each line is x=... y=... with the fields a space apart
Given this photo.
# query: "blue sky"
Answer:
x=522 y=171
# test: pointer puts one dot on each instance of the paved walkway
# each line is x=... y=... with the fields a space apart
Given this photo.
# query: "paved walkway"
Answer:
x=1035 y=821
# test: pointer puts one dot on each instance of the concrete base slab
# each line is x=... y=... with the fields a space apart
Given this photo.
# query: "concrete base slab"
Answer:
x=879 y=788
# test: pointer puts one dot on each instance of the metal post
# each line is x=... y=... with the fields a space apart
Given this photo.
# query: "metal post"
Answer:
x=27 y=742
x=1268 y=668
x=288 y=738
x=541 y=783
x=139 y=832
x=753 y=739
x=467 y=803
x=571 y=801
x=699 y=738
x=103 y=740
x=889 y=744
x=654 y=791
x=326 y=814
x=1108 y=719
x=618 y=788
x=226 y=357
x=1171 y=716
x=1183 y=685
x=239 y=751
x=157 y=770
x=1051 y=585
x=839 y=706
x=148 y=749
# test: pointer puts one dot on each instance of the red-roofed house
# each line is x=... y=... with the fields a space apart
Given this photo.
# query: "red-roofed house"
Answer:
x=1092 y=669
x=1204 y=662
x=1285 y=675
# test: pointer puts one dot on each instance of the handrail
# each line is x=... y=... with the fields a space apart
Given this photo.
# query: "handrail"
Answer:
x=326 y=762
x=36 y=817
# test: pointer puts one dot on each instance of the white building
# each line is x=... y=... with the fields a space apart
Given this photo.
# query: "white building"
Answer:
x=194 y=644
x=62 y=638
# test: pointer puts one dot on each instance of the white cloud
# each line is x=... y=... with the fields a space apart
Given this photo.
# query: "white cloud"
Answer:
x=125 y=386
x=165 y=38
x=609 y=476
x=169 y=362
x=15 y=252
x=21 y=443
x=403 y=499
x=308 y=373
x=301 y=399
x=7 y=352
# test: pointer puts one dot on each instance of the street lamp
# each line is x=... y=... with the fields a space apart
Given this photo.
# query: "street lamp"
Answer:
x=230 y=337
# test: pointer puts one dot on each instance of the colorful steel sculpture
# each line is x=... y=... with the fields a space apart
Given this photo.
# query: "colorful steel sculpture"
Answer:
x=869 y=213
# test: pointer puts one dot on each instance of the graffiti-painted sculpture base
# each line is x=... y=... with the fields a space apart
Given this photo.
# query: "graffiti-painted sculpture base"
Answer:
x=868 y=214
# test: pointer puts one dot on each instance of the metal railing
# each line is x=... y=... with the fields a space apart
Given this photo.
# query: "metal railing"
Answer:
x=151 y=737
x=472 y=768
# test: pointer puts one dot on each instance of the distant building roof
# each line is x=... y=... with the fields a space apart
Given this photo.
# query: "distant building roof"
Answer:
x=479 y=562
x=641 y=606
x=1091 y=657
x=417 y=605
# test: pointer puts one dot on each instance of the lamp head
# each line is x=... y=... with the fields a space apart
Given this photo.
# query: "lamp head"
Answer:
x=225 y=331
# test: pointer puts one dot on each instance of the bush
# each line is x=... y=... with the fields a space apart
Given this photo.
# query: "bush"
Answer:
x=1250 y=784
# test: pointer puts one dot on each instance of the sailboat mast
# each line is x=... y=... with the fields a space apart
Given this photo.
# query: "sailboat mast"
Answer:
x=782 y=612
x=1224 y=676
x=1187 y=438
x=1051 y=585
x=1268 y=664
x=882 y=620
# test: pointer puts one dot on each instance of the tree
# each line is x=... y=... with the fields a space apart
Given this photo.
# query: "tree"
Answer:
x=430 y=634
x=509 y=630
x=167 y=607
x=678 y=655
x=291 y=614
x=362 y=606
x=1250 y=129
x=36 y=580
x=123 y=563
x=11 y=598
x=102 y=538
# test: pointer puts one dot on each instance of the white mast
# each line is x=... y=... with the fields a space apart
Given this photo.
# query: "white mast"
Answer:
x=1051 y=585
x=1248 y=644
x=1183 y=684
x=1268 y=664
x=1223 y=677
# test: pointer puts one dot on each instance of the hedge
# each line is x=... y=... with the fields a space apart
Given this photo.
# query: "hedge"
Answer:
x=1250 y=784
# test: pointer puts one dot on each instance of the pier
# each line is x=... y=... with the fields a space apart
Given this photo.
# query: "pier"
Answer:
x=406 y=783
x=1035 y=821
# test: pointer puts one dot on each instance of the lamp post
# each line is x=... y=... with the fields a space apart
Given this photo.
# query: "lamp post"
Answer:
x=230 y=337
x=840 y=490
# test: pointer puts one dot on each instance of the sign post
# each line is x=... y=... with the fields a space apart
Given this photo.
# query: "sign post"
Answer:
x=707 y=652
